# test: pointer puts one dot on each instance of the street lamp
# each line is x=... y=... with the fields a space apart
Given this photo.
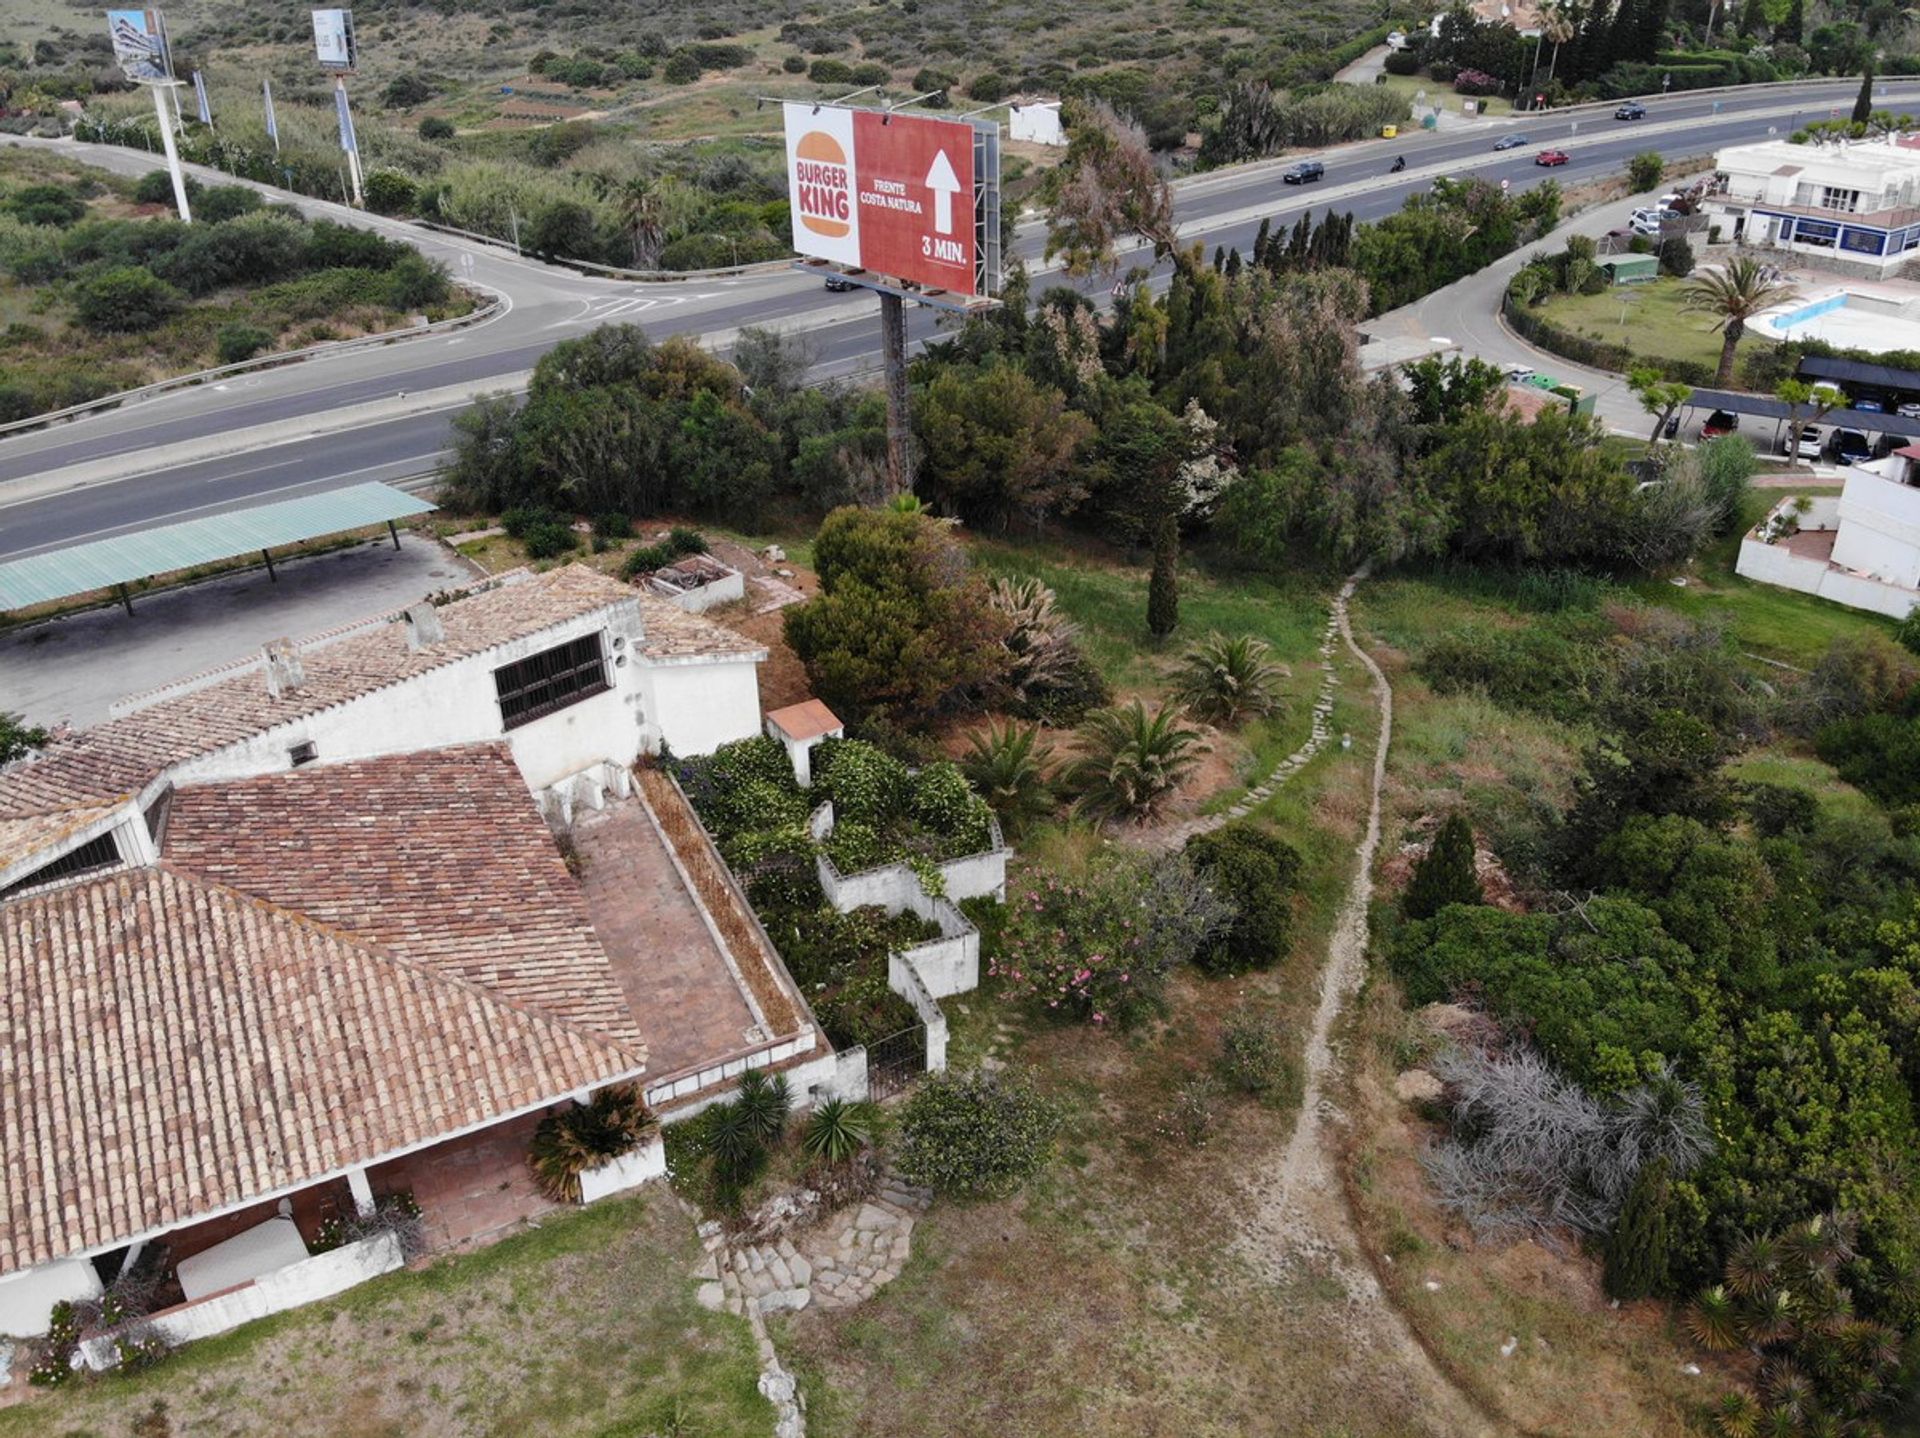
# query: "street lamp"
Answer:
x=1666 y=82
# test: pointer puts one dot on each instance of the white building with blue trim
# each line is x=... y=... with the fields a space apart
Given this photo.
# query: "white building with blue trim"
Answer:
x=1855 y=203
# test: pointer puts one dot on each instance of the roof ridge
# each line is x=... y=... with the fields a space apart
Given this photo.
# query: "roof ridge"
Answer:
x=381 y=954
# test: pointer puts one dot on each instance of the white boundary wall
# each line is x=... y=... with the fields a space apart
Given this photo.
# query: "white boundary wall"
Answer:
x=311 y=1279
x=1776 y=564
x=643 y=1165
x=27 y=1297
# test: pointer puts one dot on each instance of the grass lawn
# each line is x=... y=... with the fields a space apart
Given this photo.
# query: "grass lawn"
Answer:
x=1648 y=318
x=1441 y=95
x=585 y=1326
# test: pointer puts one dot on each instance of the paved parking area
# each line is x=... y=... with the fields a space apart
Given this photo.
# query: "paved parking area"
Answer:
x=70 y=670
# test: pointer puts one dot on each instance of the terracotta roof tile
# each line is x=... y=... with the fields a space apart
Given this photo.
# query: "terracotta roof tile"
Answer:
x=808 y=719
x=438 y=857
x=169 y=1047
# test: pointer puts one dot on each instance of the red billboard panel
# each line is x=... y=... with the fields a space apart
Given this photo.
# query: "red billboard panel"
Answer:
x=893 y=194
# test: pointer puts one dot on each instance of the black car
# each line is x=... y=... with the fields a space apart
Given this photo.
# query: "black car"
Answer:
x=1632 y=110
x=1510 y=142
x=1304 y=171
x=1849 y=446
x=839 y=284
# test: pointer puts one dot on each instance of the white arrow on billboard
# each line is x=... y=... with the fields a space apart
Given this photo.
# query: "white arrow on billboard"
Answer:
x=944 y=184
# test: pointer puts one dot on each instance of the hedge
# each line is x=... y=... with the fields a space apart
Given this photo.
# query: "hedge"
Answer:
x=1539 y=330
x=1342 y=56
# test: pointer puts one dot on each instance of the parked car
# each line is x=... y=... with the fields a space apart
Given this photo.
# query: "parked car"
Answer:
x=1551 y=157
x=1516 y=372
x=1849 y=446
x=1908 y=411
x=1718 y=423
x=1304 y=171
x=839 y=284
x=1509 y=142
x=1631 y=110
x=1812 y=442
x=1871 y=403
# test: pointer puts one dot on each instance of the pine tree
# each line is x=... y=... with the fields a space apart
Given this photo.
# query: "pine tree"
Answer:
x=1445 y=874
x=1863 y=102
x=1163 y=589
x=1637 y=1247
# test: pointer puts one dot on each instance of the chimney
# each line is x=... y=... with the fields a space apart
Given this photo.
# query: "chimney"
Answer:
x=285 y=673
x=424 y=629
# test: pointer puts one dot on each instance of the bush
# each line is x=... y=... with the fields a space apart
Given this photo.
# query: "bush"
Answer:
x=863 y=1010
x=156 y=188
x=416 y=283
x=391 y=193
x=614 y=1122
x=866 y=785
x=794 y=64
x=237 y=342
x=680 y=69
x=975 y=1134
x=1256 y=872
x=837 y=1130
x=989 y=87
x=226 y=202
x=435 y=128
x=548 y=538
x=1445 y=874
x=1644 y=170
x=1403 y=62
x=125 y=300
x=830 y=72
x=55 y=205
x=1253 y=1054
x=1008 y=768
x=1191 y=1117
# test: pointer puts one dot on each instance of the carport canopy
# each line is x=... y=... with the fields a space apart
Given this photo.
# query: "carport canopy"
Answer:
x=1765 y=406
x=127 y=558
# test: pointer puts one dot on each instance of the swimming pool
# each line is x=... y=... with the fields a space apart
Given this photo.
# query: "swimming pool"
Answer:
x=1849 y=318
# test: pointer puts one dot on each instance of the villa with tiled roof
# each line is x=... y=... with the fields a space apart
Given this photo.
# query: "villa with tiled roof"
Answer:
x=294 y=936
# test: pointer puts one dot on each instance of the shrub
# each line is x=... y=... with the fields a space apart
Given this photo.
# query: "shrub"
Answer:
x=226 y=202
x=989 y=87
x=415 y=283
x=612 y=526
x=975 y=1134
x=794 y=64
x=1256 y=872
x=1253 y=1055
x=55 y=205
x=765 y=1102
x=391 y=193
x=1191 y=1116
x=1476 y=82
x=1045 y=674
x=1132 y=762
x=435 y=128
x=646 y=559
x=830 y=72
x=1445 y=874
x=1908 y=632
x=867 y=785
x=237 y=342
x=837 y=1130
x=863 y=1010
x=125 y=300
x=1225 y=681
x=1644 y=170
x=1098 y=948
x=614 y=1122
x=156 y=188
x=549 y=538
x=1636 y=1255
x=681 y=69
x=1008 y=768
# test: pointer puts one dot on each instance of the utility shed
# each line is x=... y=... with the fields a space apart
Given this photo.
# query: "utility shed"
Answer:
x=1630 y=269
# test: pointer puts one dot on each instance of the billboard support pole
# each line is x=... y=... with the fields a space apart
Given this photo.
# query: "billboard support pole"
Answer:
x=893 y=345
x=353 y=155
x=173 y=150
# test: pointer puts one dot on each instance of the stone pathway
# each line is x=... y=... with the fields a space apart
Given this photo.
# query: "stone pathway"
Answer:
x=836 y=1265
x=1317 y=736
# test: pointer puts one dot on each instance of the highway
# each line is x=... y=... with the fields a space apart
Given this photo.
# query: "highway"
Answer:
x=385 y=413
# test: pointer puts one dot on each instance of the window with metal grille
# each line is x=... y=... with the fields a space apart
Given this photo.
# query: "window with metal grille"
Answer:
x=100 y=853
x=550 y=680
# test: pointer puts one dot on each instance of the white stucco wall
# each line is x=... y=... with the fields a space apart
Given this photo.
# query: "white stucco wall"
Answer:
x=459 y=704
x=27 y=1298
x=698 y=705
x=1036 y=121
x=725 y=590
x=1879 y=529
x=307 y=1281
x=1776 y=564
x=643 y=1165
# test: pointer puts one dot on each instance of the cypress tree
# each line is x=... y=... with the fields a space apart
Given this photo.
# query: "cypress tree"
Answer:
x=1233 y=263
x=1637 y=1247
x=1793 y=28
x=1261 y=240
x=1445 y=874
x=1219 y=258
x=1863 y=102
x=1163 y=588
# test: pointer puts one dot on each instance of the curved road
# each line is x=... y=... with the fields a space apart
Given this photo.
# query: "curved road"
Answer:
x=385 y=413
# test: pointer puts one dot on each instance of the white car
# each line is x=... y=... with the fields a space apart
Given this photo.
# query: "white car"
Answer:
x=1649 y=221
x=1812 y=441
x=1516 y=372
x=1908 y=411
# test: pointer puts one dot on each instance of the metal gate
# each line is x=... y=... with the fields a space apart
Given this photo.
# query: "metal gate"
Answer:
x=895 y=1062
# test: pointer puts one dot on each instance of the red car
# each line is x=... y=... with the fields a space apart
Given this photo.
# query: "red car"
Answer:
x=1550 y=157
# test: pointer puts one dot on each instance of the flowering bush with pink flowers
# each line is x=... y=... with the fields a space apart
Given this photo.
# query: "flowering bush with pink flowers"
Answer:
x=1096 y=947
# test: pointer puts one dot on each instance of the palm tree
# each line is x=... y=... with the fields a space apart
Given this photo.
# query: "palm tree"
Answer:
x=1008 y=767
x=1556 y=25
x=640 y=212
x=1734 y=294
x=1133 y=761
x=1224 y=681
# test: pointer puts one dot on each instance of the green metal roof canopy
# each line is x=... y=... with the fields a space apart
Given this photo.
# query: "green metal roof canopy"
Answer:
x=107 y=563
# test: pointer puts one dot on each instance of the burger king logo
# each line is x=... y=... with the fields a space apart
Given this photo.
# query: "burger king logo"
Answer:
x=823 y=191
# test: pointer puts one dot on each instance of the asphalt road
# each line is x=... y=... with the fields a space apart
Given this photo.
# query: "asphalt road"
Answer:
x=160 y=460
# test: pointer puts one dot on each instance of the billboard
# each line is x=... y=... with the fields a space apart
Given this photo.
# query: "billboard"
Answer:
x=899 y=195
x=140 y=45
x=333 y=39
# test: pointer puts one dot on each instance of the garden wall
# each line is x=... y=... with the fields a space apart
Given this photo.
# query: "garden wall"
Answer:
x=905 y=981
x=891 y=885
x=307 y=1281
x=644 y=1164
